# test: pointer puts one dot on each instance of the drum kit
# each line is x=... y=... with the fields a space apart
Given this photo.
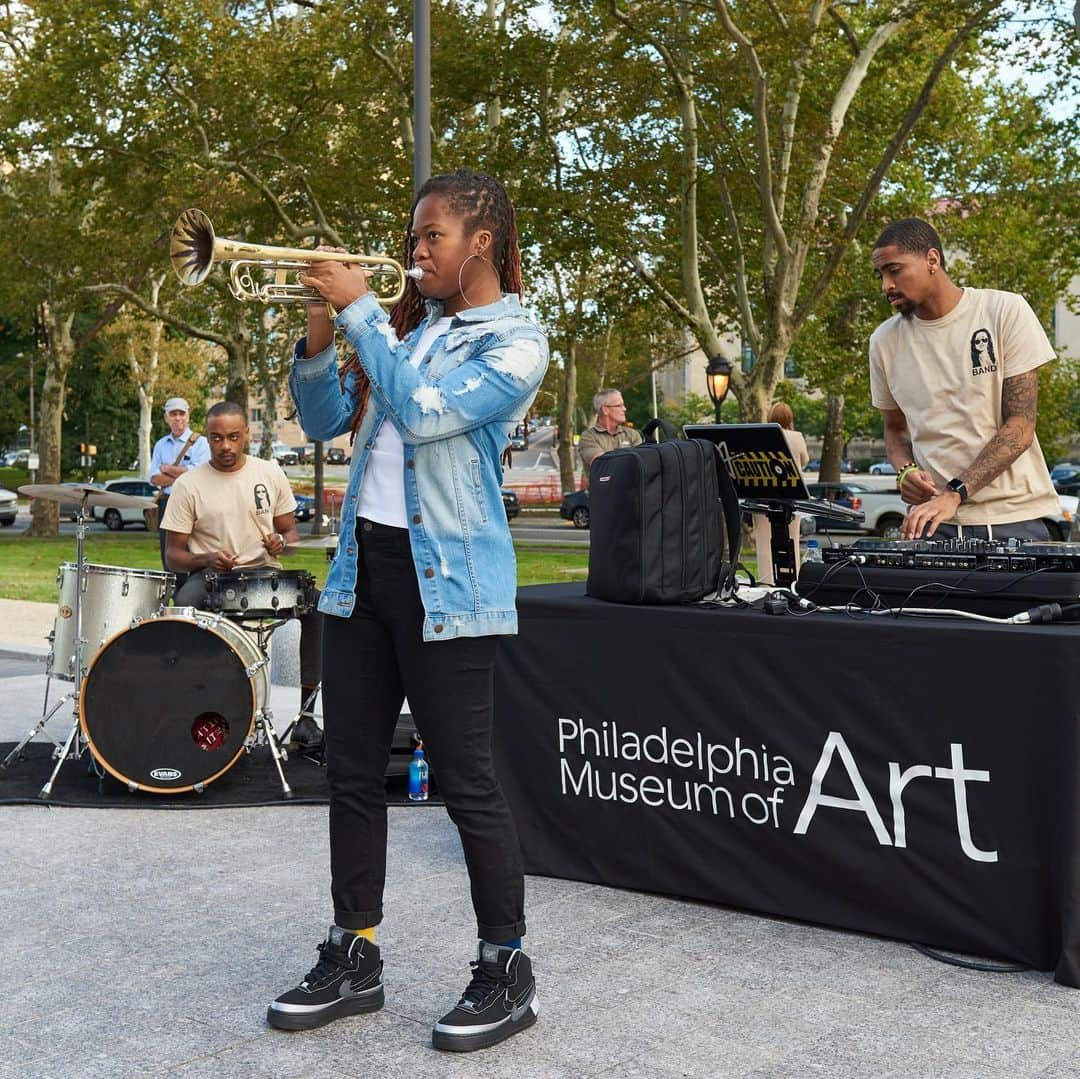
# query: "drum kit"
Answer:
x=165 y=699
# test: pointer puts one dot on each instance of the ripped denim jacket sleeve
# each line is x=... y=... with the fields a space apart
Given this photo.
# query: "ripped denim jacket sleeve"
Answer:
x=445 y=398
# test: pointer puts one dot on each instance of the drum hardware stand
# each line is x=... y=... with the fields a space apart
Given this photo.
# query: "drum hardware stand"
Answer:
x=74 y=745
x=264 y=731
x=307 y=708
x=264 y=717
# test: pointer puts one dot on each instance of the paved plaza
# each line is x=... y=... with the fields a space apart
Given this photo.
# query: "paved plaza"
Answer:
x=148 y=943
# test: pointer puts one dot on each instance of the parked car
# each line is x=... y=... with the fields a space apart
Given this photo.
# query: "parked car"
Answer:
x=1063 y=525
x=116 y=517
x=17 y=459
x=882 y=468
x=304 y=454
x=335 y=455
x=518 y=441
x=511 y=503
x=9 y=507
x=1066 y=479
x=305 y=507
x=575 y=507
x=883 y=511
x=845 y=466
x=285 y=455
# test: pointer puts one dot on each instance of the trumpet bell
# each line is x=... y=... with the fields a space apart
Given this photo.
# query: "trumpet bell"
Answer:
x=191 y=247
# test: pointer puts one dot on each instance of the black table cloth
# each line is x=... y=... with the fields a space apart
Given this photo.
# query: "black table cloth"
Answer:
x=915 y=778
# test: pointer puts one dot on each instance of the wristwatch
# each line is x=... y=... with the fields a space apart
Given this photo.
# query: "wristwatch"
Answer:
x=959 y=487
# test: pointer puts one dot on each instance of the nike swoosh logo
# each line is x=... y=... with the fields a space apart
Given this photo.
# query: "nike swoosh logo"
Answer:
x=520 y=1009
x=346 y=990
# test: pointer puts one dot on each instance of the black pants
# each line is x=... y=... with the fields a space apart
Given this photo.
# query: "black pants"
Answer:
x=193 y=594
x=372 y=661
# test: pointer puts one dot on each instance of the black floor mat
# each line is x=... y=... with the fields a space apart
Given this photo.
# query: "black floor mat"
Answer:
x=252 y=781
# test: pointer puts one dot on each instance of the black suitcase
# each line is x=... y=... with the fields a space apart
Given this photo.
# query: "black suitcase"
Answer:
x=657 y=519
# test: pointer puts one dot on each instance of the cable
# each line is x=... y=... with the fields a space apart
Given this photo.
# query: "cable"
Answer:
x=968 y=964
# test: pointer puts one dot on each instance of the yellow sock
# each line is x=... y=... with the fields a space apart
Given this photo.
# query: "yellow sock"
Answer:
x=367 y=934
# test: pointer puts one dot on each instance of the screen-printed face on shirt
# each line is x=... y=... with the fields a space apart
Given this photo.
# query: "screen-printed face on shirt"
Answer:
x=228 y=438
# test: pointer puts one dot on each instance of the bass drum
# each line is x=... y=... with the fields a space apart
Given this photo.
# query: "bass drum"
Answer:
x=169 y=704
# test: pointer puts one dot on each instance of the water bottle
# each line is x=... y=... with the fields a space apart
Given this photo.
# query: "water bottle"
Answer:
x=418 y=776
x=813 y=551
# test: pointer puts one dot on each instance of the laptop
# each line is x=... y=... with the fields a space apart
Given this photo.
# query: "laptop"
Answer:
x=757 y=459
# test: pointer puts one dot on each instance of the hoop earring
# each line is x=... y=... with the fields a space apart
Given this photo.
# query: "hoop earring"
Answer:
x=461 y=268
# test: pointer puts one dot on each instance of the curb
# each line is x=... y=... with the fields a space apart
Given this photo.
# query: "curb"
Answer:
x=15 y=650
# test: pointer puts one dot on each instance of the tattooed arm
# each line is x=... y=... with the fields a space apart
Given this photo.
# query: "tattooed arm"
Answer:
x=1019 y=406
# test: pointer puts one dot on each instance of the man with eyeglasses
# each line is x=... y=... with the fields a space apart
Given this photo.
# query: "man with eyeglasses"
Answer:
x=237 y=512
x=610 y=432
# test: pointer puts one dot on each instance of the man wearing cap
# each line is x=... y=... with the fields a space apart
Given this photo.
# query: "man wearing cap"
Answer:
x=180 y=442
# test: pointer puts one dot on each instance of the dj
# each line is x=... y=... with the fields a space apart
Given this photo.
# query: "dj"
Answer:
x=233 y=512
x=955 y=374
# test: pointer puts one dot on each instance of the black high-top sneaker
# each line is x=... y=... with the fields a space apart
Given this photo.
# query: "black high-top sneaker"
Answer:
x=498 y=1002
x=347 y=980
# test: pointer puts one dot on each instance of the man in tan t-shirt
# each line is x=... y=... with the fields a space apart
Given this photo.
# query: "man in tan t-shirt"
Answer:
x=610 y=431
x=232 y=512
x=955 y=374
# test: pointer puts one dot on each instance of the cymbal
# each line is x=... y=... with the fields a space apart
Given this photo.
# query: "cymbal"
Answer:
x=85 y=493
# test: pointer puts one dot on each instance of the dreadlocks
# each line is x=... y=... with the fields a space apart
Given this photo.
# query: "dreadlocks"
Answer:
x=481 y=202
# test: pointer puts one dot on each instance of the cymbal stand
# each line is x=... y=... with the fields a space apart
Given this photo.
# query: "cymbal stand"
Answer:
x=73 y=746
x=264 y=718
x=264 y=631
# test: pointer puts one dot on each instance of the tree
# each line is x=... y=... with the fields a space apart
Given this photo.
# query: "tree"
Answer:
x=771 y=128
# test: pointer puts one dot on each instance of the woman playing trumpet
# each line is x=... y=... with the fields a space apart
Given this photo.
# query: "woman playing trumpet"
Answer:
x=423 y=583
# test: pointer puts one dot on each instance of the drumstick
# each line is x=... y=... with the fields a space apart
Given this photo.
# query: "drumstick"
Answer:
x=258 y=523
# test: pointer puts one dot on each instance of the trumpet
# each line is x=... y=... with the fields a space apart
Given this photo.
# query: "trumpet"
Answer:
x=194 y=248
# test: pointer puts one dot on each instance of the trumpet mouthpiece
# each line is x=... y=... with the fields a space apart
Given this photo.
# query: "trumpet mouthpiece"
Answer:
x=415 y=272
x=191 y=247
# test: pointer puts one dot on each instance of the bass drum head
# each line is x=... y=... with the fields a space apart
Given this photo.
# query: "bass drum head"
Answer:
x=167 y=706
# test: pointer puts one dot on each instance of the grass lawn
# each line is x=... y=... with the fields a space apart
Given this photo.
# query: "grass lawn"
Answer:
x=28 y=567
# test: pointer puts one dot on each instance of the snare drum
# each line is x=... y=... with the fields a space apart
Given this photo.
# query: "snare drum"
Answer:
x=169 y=704
x=260 y=593
x=113 y=597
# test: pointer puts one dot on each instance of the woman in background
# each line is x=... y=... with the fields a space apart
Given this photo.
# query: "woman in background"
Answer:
x=779 y=413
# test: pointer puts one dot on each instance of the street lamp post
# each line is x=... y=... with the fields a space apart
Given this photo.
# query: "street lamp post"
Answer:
x=718 y=379
x=421 y=93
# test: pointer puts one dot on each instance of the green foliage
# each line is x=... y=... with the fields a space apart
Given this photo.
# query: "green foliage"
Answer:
x=694 y=408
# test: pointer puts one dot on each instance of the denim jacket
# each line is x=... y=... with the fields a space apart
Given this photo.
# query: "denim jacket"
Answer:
x=454 y=414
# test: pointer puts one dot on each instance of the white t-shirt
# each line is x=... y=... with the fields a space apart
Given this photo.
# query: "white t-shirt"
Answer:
x=382 y=490
x=946 y=376
x=230 y=511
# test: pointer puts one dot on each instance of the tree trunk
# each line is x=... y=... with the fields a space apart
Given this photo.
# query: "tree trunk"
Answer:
x=755 y=398
x=832 y=447
x=320 y=473
x=238 y=351
x=44 y=514
x=567 y=407
x=145 y=406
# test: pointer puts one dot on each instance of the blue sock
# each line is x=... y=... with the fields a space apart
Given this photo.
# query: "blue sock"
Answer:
x=513 y=942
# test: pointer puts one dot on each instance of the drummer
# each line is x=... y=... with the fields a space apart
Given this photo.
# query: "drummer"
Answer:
x=237 y=512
